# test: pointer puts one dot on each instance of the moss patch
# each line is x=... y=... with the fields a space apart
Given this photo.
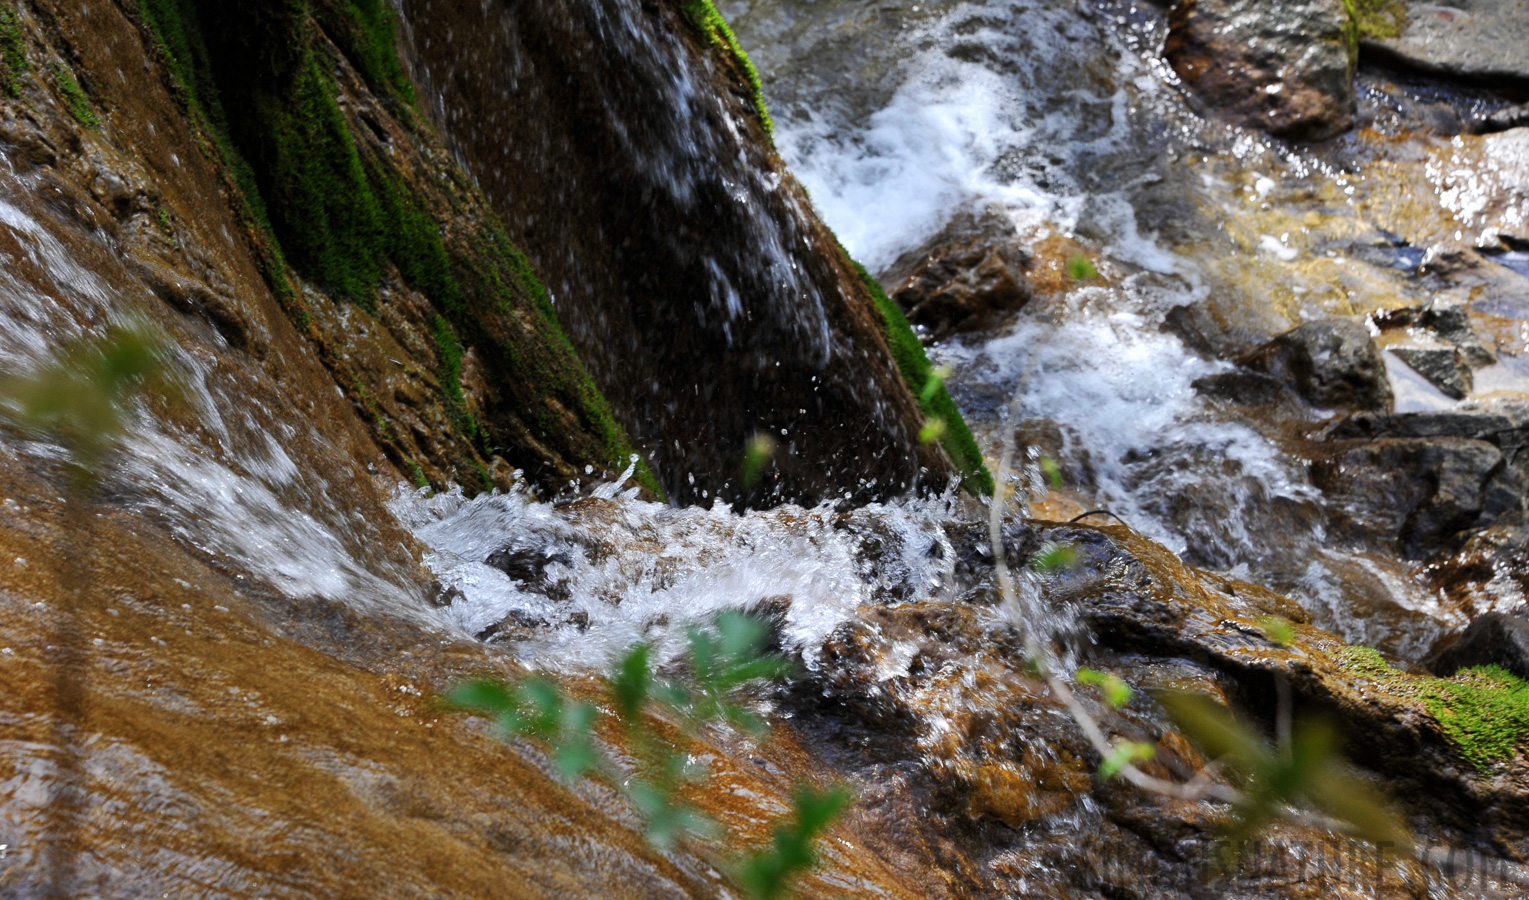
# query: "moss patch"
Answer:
x=339 y=208
x=703 y=17
x=365 y=31
x=1378 y=19
x=75 y=98
x=955 y=437
x=1483 y=711
x=13 y=51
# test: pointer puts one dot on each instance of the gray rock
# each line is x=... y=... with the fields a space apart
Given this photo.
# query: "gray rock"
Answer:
x=1416 y=493
x=1333 y=364
x=1494 y=639
x=1286 y=68
x=1442 y=366
x=1474 y=38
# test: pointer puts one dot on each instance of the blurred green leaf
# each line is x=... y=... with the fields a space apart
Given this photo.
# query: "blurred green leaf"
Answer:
x=1125 y=753
x=1052 y=471
x=1116 y=692
x=1054 y=558
x=933 y=430
x=933 y=383
x=81 y=396
x=1309 y=772
x=1079 y=268
x=1278 y=630
x=756 y=455
x=632 y=682
x=536 y=708
x=769 y=873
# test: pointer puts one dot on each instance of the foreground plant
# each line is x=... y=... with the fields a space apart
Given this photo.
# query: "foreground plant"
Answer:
x=721 y=663
x=81 y=399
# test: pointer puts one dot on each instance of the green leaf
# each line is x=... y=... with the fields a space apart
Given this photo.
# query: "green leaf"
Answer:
x=1278 y=630
x=933 y=430
x=769 y=873
x=1116 y=692
x=1080 y=269
x=1055 y=558
x=756 y=456
x=1125 y=753
x=632 y=682
x=1052 y=471
x=933 y=383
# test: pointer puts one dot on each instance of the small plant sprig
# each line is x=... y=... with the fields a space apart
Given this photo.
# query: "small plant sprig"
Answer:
x=720 y=662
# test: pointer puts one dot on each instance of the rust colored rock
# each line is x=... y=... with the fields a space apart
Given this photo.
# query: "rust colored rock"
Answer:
x=1286 y=68
x=965 y=278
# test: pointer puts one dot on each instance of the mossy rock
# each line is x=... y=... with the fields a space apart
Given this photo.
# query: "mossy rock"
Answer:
x=934 y=400
x=344 y=209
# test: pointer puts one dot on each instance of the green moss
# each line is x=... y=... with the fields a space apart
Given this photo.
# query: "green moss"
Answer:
x=75 y=98
x=955 y=436
x=1483 y=711
x=703 y=17
x=13 y=51
x=327 y=218
x=500 y=274
x=1377 y=19
x=449 y=352
x=365 y=31
x=341 y=213
x=417 y=475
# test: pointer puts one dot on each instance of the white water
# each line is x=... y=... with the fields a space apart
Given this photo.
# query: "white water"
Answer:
x=627 y=570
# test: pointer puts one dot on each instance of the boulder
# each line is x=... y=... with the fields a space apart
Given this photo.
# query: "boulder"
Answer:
x=1285 y=68
x=1469 y=38
x=1415 y=492
x=1333 y=364
x=1494 y=639
x=1443 y=367
x=964 y=278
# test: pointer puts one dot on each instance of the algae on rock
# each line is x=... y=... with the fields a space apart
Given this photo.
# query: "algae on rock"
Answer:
x=349 y=188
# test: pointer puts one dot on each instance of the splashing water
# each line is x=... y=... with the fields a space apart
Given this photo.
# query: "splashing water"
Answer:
x=581 y=582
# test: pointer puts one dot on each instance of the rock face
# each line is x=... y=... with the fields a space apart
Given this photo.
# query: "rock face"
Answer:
x=707 y=299
x=1494 y=639
x=1333 y=364
x=1471 y=38
x=1284 y=68
x=1420 y=479
x=967 y=277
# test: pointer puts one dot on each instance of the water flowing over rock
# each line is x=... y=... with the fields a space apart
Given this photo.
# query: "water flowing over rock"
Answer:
x=1285 y=68
x=706 y=297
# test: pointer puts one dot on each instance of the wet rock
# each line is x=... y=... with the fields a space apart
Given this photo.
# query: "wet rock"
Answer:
x=964 y=278
x=686 y=263
x=1442 y=321
x=1414 y=492
x=1475 y=39
x=1502 y=119
x=1333 y=364
x=1430 y=468
x=1284 y=68
x=1243 y=388
x=1443 y=367
x=1137 y=597
x=1494 y=639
